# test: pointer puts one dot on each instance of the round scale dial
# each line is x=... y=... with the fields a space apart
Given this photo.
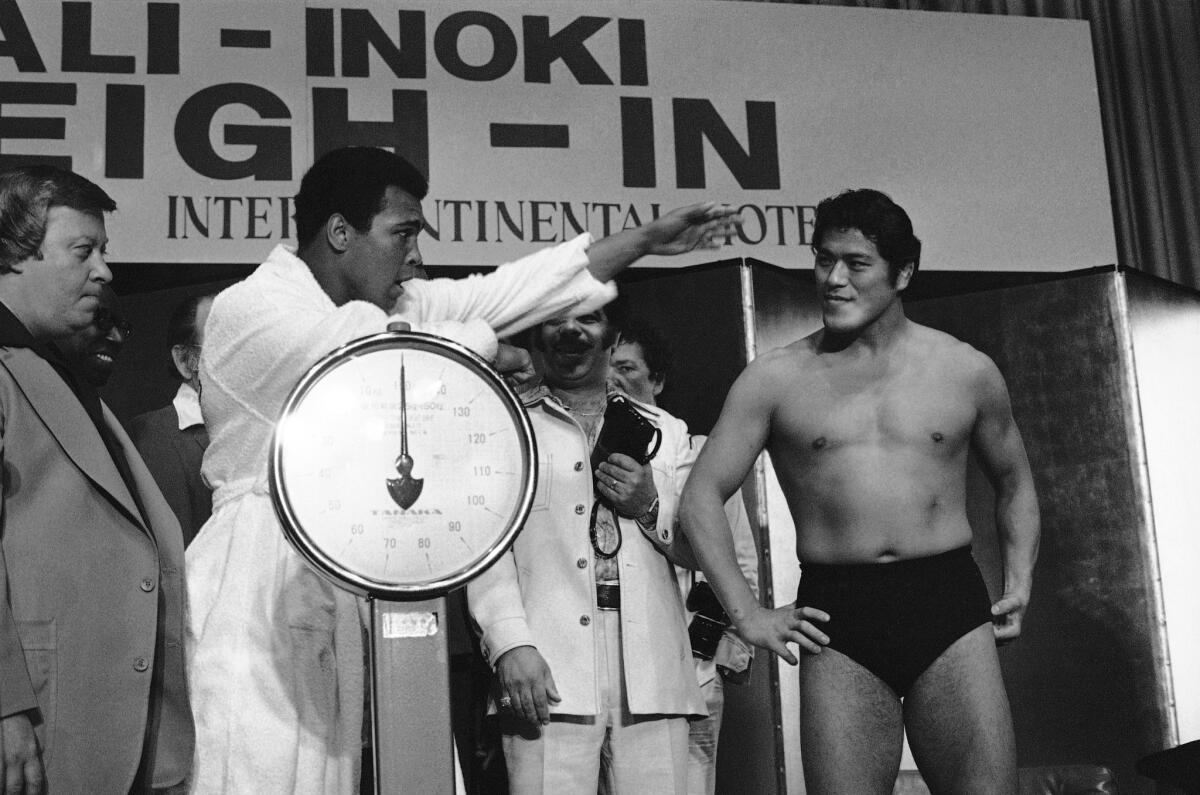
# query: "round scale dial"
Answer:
x=402 y=466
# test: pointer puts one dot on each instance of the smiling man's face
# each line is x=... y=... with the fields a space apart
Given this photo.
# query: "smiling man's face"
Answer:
x=95 y=348
x=854 y=282
x=576 y=349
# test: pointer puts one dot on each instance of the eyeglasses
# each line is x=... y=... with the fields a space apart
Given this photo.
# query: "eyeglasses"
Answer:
x=106 y=320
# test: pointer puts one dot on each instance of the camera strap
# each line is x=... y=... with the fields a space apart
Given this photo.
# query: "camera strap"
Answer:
x=594 y=536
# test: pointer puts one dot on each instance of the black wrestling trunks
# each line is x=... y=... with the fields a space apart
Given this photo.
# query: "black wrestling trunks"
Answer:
x=895 y=619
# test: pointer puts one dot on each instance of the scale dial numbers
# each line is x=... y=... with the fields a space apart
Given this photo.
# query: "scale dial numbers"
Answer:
x=402 y=467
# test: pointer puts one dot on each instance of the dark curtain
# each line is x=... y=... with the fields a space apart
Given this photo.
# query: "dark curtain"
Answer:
x=1148 y=72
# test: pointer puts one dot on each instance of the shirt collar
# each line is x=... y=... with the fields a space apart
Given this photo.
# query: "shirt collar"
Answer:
x=187 y=406
x=540 y=393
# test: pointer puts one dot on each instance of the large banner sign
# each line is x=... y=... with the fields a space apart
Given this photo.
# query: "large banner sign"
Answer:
x=537 y=120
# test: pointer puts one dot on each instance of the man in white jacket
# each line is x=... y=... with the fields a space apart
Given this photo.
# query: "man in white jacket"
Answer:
x=274 y=651
x=582 y=618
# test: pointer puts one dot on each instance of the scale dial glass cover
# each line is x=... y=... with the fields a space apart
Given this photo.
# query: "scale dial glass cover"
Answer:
x=402 y=466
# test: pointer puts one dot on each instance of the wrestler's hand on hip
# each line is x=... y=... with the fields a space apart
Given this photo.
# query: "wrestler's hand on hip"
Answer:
x=525 y=679
x=20 y=758
x=1007 y=615
x=774 y=629
x=628 y=485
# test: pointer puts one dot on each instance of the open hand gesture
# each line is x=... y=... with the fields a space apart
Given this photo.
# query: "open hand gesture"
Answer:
x=704 y=225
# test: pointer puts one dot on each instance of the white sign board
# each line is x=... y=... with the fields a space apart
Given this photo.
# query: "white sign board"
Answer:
x=538 y=119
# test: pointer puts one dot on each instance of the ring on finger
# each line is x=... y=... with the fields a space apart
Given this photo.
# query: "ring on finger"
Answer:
x=506 y=702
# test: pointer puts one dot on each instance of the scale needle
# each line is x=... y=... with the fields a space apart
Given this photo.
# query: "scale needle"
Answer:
x=405 y=489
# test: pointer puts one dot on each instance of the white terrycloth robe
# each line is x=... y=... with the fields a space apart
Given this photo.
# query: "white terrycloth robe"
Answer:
x=275 y=654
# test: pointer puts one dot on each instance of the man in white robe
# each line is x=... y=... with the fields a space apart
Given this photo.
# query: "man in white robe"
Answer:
x=274 y=651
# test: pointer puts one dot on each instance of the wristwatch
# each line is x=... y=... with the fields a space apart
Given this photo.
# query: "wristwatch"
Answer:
x=649 y=519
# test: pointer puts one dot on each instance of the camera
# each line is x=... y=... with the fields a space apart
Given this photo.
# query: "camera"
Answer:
x=627 y=431
x=709 y=623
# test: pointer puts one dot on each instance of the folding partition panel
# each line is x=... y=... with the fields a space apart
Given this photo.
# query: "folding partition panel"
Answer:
x=1103 y=371
x=717 y=317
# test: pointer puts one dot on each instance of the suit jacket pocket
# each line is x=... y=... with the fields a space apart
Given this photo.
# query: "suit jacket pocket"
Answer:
x=545 y=475
x=40 y=642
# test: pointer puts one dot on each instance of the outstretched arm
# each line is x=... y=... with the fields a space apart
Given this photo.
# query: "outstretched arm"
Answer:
x=998 y=443
x=570 y=278
x=738 y=438
x=704 y=225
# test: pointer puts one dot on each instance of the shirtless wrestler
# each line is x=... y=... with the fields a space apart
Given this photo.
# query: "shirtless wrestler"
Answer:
x=868 y=423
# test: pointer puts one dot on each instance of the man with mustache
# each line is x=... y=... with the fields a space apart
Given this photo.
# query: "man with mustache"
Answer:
x=582 y=618
x=868 y=423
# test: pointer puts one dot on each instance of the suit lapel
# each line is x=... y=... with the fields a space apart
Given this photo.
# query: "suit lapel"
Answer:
x=199 y=435
x=69 y=424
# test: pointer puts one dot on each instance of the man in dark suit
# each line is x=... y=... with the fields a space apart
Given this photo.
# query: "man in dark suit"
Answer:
x=172 y=439
x=92 y=688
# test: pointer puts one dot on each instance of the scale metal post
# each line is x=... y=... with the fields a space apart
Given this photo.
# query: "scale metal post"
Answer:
x=410 y=697
x=402 y=467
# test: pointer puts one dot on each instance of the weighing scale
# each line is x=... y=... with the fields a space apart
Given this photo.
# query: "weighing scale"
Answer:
x=401 y=468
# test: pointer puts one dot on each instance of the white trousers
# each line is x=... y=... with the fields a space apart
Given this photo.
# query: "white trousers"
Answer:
x=638 y=754
x=702 y=740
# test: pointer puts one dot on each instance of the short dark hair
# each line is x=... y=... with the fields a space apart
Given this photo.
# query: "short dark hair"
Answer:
x=352 y=181
x=655 y=350
x=27 y=193
x=616 y=314
x=880 y=220
x=181 y=328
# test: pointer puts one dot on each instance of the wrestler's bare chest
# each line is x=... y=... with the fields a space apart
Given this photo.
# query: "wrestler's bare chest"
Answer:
x=884 y=406
x=872 y=459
